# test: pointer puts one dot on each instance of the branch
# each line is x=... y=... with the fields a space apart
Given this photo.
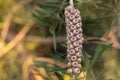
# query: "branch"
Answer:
x=17 y=39
x=9 y=17
x=49 y=40
x=108 y=38
x=7 y=24
x=29 y=65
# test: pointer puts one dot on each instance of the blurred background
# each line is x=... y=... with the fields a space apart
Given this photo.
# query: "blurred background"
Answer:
x=32 y=39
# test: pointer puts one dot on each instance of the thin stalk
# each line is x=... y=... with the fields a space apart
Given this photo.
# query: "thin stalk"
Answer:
x=92 y=74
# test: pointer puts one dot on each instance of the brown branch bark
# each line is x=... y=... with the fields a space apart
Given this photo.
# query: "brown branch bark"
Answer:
x=48 y=40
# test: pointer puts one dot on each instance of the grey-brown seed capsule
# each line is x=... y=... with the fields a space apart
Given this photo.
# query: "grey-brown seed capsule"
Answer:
x=68 y=56
x=78 y=54
x=75 y=21
x=79 y=65
x=69 y=24
x=73 y=58
x=80 y=30
x=76 y=44
x=71 y=51
x=79 y=60
x=80 y=41
x=78 y=11
x=69 y=70
x=79 y=18
x=74 y=39
x=68 y=8
x=71 y=17
x=73 y=11
x=76 y=70
x=69 y=64
x=74 y=64
x=70 y=34
x=68 y=42
x=67 y=20
x=79 y=36
x=77 y=49
x=78 y=25
x=76 y=31
x=67 y=14
x=72 y=27
x=80 y=46
x=70 y=46
x=77 y=15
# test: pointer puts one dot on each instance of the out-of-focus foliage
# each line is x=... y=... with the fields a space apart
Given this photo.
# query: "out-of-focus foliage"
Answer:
x=18 y=15
x=37 y=50
x=4 y=8
x=97 y=16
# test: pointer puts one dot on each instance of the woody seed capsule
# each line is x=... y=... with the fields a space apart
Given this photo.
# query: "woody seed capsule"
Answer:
x=78 y=25
x=67 y=14
x=69 y=64
x=71 y=17
x=79 y=60
x=72 y=28
x=72 y=52
x=69 y=70
x=74 y=39
x=76 y=70
x=75 y=21
x=78 y=54
x=73 y=11
x=73 y=58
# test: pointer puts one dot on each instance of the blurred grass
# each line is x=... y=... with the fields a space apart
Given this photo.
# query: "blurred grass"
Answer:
x=32 y=39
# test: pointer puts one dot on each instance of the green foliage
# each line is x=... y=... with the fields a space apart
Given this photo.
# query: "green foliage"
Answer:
x=54 y=69
x=99 y=50
x=97 y=17
x=100 y=61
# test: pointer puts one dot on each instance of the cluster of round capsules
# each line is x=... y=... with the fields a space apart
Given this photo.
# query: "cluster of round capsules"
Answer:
x=74 y=39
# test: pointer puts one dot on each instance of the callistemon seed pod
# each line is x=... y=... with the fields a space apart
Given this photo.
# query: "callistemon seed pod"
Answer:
x=70 y=70
x=74 y=39
x=76 y=70
x=73 y=58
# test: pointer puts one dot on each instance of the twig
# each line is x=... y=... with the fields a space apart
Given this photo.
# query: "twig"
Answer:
x=52 y=61
x=112 y=37
x=7 y=24
x=28 y=63
x=92 y=74
x=38 y=39
x=71 y=2
x=9 y=17
x=62 y=39
x=17 y=39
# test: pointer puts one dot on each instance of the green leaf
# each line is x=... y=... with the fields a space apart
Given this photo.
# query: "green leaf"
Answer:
x=41 y=20
x=57 y=5
x=40 y=63
x=85 y=59
x=57 y=69
x=100 y=49
x=58 y=57
x=59 y=76
x=64 y=45
x=52 y=31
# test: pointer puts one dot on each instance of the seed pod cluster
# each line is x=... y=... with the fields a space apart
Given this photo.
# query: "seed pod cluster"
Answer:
x=74 y=39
